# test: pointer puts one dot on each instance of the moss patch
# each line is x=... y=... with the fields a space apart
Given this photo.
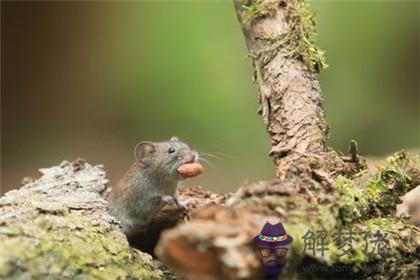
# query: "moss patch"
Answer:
x=376 y=195
x=259 y=8
x=363 y=205
x=50 y=251
x=300 y=39
x=58 y=227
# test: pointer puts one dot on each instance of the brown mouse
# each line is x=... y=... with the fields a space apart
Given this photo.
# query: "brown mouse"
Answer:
x=151 y=181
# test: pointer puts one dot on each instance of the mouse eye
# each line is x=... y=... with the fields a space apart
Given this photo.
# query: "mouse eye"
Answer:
x=171 y=150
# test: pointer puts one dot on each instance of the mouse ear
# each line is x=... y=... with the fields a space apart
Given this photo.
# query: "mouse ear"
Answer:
x=174 y=138
x=144 y=149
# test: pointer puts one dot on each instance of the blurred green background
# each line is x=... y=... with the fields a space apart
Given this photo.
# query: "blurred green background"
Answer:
x=90 y=79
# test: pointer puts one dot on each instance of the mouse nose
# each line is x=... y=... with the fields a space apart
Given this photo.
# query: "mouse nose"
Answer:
x=192 y=157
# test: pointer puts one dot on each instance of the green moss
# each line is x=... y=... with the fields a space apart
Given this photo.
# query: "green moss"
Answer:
x=352 y=203
x=303 y=35
x=400 y=259
x=377 y=195
x=259 y=8
x=90 y=251
x=364 y=204
x=300 y=39
x=392 y=180
x=367 y=204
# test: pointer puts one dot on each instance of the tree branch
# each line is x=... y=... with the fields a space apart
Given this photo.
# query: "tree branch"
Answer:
x=279 y=36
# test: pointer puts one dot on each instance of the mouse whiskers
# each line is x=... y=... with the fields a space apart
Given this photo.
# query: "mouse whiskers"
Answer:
x=201 y=158
x=210 y=155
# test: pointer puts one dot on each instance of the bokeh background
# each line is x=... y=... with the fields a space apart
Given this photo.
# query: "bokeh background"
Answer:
x=90 y=79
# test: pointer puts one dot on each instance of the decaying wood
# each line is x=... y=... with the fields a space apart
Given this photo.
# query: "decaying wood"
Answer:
x=58 y=227
x=315 y=190
x=194 y=198
x=218 y=241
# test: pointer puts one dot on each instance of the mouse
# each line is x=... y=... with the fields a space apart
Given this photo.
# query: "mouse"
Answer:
x=151 y=182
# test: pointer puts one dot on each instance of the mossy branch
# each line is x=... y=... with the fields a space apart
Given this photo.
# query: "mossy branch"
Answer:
x=221 y=236
x=281 y=38
x=299 y=41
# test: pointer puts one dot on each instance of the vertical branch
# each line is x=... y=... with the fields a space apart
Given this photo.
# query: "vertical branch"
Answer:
x=280 y=37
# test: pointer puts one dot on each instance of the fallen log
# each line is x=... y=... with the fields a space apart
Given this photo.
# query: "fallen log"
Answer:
x=218 y=241
x=58 y=227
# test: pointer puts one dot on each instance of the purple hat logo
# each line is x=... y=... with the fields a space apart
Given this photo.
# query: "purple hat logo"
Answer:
x=270 y=244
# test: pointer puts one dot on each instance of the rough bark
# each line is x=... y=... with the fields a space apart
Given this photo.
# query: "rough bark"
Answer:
x=289 y=93
x=171 y=215
x=218 y=241
x=315 y=188
x=58 y=227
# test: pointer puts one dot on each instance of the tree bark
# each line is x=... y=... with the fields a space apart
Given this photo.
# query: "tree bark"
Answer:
x=289 y=94
x=315 y=189
x=218 y=242
x=57 y=227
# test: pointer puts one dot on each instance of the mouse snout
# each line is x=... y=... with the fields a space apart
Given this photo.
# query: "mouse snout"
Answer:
x=192 y=156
